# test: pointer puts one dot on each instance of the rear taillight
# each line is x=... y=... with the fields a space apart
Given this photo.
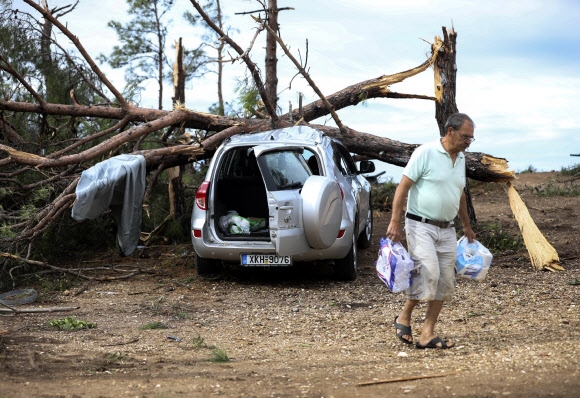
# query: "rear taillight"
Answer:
x=201 y=195
x=197 y=233
x=340 y=234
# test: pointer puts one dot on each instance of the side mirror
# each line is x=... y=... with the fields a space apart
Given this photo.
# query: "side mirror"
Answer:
x=366 y=166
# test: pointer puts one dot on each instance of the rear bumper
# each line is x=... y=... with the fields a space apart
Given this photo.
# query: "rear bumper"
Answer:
x=212 y=248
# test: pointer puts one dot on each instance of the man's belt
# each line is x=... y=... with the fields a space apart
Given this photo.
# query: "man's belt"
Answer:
x=440 y=224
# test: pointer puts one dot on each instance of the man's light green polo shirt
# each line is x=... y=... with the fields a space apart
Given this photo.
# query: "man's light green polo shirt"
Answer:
x=439 y=183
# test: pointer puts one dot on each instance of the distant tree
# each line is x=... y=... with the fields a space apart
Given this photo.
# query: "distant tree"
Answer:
x=210 y=39
x=143 y=43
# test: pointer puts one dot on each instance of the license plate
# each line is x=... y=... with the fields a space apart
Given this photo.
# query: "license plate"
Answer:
x=260 y=260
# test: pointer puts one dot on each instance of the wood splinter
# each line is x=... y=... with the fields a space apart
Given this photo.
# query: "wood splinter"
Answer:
x=397 y=379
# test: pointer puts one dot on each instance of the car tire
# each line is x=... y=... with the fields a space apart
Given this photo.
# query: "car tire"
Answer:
x=346 y=269
x=366 y=236
x=207 y=267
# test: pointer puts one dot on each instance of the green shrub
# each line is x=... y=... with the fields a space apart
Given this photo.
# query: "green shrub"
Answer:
x=570 y=171
x=382 y=195
x=219 y=355
x=553 y=189
x=498 y=238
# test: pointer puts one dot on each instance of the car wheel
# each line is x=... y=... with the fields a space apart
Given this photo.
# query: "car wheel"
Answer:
x=345 y=269
x=206 y=266
x=364 y=240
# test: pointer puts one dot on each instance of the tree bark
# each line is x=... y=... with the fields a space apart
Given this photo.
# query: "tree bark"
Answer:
x=220 y=66
x=445 y=70
x=175 y=174
x=271 y=60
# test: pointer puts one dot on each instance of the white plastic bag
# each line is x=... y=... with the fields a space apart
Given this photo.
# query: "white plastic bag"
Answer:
x=472 y=260
x=234 y=224
x=394 y=265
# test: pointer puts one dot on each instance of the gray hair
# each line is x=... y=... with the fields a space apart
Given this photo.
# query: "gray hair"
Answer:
x=456 y=120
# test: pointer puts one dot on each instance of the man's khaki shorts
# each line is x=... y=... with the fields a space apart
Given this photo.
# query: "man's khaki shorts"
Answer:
x=433 y=250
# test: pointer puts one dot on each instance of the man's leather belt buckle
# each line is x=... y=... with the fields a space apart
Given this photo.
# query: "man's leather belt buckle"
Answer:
x=440 y=224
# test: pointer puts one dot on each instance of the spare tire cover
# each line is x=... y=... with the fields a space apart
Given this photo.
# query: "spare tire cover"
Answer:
x=321 y=211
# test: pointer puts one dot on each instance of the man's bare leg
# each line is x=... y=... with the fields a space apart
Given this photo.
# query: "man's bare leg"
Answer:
x=404 y=317
x=427 y=333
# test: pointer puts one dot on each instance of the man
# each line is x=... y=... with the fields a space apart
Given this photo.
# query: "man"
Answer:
x=432 y=184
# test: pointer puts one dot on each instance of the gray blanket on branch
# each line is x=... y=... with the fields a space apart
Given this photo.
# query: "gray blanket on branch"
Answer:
x=119 y=184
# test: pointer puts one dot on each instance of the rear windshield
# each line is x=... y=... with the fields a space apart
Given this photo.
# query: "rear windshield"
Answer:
x=284 y=169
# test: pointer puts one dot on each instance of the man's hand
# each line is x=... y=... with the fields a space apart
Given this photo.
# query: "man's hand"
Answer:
x=469 y=234
x=395 y=231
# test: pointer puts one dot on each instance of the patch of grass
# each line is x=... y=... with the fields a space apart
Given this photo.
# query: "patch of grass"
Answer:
x=199 y=342
x=115 y=357
x=154 y=325
x=179 y=314
x=71 y=324
x=558 y=190
x=498 y=239
x=54 y=284
x=476 y=186
x=570 y=171
x=219 y=355
x=190 y=279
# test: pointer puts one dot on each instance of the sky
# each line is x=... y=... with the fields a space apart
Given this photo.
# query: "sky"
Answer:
x=518 y=66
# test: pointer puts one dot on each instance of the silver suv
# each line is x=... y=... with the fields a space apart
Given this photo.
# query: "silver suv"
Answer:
x=273 y=198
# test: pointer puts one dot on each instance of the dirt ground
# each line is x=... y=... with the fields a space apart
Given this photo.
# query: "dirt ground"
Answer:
x=298 y=333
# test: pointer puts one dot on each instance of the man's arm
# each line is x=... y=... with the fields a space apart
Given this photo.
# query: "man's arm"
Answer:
x=464 y=217
x=395 y=229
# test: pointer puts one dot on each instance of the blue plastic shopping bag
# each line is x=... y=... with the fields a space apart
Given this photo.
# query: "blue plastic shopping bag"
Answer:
x=472 y=260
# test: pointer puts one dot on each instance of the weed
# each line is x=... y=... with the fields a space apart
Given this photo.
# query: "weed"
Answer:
x=154 y=325
x=497 y=239
x=71 y=324
x=190 y=279
x=199 y=342
x=219 y=355
x=476 y=186
x=570 y=171
x=115 y=357
x=556 y=190
x=183 y=315
x=473 y=314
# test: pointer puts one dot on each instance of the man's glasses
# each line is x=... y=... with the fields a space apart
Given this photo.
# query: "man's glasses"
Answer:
x=467 y=138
